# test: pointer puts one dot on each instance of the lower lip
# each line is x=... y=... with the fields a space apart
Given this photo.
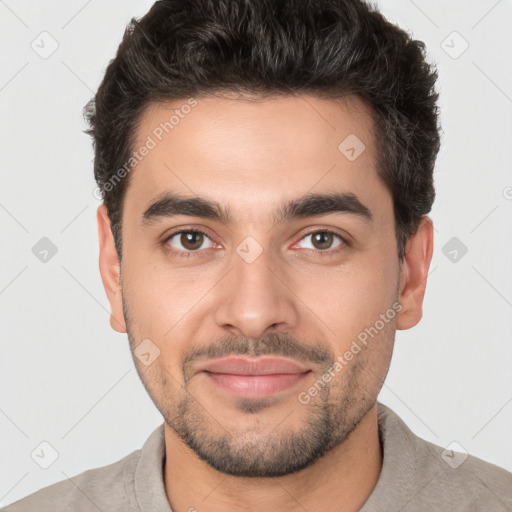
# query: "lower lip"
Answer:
x=255 y=386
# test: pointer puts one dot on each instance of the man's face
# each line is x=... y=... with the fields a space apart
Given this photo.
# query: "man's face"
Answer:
x=259 y=285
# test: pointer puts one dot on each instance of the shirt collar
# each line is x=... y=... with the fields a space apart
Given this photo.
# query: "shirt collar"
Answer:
x=148 y=480
x=390 y=491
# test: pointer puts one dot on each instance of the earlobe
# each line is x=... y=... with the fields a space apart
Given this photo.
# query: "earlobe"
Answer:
x=110 y=270
x=414 y=273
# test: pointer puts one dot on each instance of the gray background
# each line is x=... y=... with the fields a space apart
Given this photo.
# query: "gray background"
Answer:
x=68 y=380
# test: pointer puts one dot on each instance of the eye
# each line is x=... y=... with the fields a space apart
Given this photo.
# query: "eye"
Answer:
x=187 y=242
x=322 y=241
x=190 y=240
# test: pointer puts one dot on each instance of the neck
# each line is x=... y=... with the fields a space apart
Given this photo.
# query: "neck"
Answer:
x=341 y=480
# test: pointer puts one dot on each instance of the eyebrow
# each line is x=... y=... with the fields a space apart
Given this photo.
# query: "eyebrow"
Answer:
x=311 y=205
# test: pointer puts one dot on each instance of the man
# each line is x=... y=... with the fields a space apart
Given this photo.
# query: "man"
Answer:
x=266 y=169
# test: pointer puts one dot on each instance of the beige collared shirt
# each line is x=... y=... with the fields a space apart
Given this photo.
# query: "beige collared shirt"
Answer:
x=416 y=476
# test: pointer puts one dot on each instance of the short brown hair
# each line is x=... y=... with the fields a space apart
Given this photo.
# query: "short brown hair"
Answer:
x=330 y=48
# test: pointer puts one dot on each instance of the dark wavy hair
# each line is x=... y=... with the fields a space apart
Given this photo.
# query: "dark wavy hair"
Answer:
x=329 y=48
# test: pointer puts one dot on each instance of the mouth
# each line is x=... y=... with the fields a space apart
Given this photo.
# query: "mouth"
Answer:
x=254 y=377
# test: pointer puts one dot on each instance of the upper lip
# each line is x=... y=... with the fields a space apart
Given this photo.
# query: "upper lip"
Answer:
x=253 y=366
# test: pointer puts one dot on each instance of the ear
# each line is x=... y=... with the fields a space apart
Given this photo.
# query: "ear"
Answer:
x=414 y=273
x=110 y=270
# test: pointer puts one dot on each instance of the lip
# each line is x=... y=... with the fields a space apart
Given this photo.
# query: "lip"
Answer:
x=254 y=366
x=254 y=377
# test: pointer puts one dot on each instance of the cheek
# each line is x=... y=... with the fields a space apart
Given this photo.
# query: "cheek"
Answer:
x=350 y=298
x=161 y=298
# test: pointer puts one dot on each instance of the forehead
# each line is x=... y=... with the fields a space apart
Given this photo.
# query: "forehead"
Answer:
x=250 y=153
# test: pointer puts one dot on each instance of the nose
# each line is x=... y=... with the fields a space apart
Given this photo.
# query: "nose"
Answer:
x=256 y=298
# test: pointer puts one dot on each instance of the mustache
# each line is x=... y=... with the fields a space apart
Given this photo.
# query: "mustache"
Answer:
x=276 y=344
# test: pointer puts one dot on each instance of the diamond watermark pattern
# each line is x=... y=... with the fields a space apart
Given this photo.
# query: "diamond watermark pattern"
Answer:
x=44 y=45
x=352 y=147
x=44 y=455
x=454 y=454
x=249 y=250
x=454 y=250
x=146 y=352
x=454 y=45
x=44 y=250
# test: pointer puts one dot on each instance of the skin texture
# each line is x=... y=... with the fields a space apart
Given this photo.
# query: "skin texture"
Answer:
x=228 y=453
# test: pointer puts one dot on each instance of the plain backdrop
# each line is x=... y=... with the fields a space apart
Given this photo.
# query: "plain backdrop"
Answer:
x=68 y=380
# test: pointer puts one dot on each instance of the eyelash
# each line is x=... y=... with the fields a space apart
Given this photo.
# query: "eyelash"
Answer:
x=188 y=254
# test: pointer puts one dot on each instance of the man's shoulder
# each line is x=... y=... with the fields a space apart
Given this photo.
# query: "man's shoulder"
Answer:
x=440 y=477
x=102 y=488
x=457 y=478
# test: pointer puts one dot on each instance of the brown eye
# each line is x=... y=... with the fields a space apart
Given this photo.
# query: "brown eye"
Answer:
x=323 y=241
x=188 y=240
x=191 y=241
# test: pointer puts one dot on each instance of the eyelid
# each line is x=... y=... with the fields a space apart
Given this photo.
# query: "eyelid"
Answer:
x=184 y=229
